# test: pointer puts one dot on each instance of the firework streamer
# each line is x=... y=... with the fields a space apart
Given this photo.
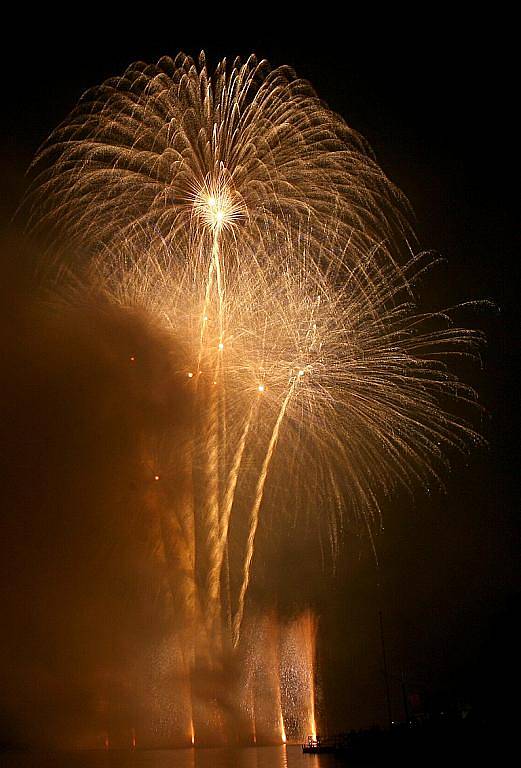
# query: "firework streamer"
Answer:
x=254 y=515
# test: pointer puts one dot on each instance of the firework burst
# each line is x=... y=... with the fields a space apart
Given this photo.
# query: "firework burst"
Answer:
x=325 y=407
x=165 y=147
x=249 y=222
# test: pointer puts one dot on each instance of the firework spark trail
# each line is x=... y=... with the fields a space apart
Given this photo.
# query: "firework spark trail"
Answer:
x=210 y=513
x=310 y=632
x=232 y=484
x=254 y=515
x=215 y=422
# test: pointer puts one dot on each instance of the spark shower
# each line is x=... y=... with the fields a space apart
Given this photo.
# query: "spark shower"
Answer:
x=248 y=222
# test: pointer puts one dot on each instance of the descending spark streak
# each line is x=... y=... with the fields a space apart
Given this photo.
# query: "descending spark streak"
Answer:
x=210 y=517
x=253 y=723
x=282 y=729
x=217 y=261
x=279 y=701
x=309 y=629
x=215 y=426
x=232 y=484
x=254 y=514
x=204 y=319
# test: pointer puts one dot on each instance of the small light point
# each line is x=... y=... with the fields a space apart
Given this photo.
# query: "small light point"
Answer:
x=190 y=374
x=156 y=477
x=301 y=373
x=221 y=346
x=261 y=387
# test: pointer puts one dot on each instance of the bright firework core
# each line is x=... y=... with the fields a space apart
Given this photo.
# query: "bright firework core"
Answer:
x=251 y=225
x=216 y=206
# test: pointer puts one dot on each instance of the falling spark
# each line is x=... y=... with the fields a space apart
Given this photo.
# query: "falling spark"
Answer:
x=254 y=517
x=253 y=723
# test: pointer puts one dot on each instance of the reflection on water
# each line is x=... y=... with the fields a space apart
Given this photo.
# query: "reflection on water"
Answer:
x=248 y=757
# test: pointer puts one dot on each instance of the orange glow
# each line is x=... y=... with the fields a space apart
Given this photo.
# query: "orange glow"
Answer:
x=310 y=633
x=253 y=723
x=133 y=741
x=156 y=477
x=282 y=729
x=192 y=733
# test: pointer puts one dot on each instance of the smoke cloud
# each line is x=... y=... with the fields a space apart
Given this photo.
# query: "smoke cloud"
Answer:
x=88 y=394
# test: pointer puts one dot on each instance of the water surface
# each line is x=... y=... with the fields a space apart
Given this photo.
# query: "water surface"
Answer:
x=247 y=757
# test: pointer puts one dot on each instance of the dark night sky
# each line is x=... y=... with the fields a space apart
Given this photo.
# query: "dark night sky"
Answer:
x=435 y=104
